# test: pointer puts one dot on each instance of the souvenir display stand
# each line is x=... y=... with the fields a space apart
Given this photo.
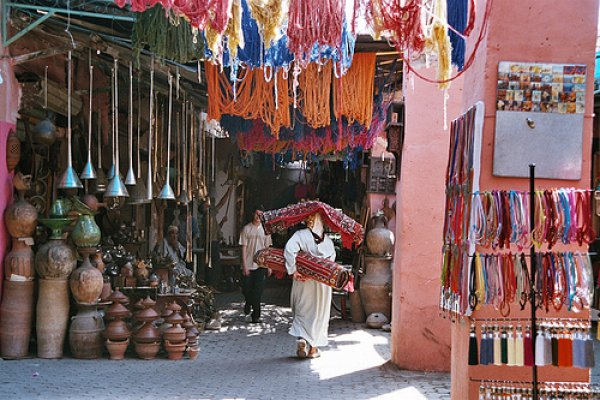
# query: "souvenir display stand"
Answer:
x=516 y=279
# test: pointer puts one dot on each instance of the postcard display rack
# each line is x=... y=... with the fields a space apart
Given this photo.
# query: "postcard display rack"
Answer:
x=504 y=251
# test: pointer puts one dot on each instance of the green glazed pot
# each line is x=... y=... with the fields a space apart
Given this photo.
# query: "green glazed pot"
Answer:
x=86 y=232
x=60 y=208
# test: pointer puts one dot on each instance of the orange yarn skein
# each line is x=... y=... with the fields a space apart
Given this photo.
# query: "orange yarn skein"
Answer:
x=356 y=89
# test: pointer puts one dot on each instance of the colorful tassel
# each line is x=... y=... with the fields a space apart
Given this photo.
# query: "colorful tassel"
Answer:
x=554 y=344
x=504 y=347
x=510 y=340
x=528 y=349
x=473 y=353
x=589 y=351
x=519 y=350
x=483 y=348
x=540 y=349
x=497 y=347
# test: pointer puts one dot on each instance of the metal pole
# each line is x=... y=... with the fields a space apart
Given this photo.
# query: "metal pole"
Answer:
x=532 y=275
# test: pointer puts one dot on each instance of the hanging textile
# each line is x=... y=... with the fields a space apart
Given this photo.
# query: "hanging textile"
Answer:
x=277 y=220
x=252 y=97
x=314 y=23
x=315 y=89
x=353 y=95
x=316 y=268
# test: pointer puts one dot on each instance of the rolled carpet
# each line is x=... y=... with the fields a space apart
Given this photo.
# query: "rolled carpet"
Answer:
x=278 y=220
x=317 y=268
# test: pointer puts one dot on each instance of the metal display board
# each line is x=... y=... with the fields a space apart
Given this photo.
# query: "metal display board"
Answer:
x=539 y=119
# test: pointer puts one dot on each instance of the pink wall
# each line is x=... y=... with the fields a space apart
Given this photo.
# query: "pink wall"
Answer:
x=420 y=338
x=9 y=104
x=551 y=31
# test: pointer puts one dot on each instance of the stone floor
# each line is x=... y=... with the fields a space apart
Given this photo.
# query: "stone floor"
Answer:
x=238 y=361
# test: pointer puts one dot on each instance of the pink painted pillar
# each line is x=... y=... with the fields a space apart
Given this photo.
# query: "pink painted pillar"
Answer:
x=420 y=338
x=552 y=31
x=9 y=105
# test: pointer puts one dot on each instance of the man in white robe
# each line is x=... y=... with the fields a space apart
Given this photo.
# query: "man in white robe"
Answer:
x=310 y=300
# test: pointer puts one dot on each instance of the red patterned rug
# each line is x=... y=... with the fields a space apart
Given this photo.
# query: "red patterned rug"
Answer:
x=278 y=220
x=317 y=268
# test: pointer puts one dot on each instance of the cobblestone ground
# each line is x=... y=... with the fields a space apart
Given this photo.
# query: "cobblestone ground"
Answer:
x=239 y=361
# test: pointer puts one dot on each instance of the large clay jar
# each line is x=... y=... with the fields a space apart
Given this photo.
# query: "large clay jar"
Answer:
x=380 y=239
x=20 y=218
x=55 y=260
x=52 y=316
x=19 y=262
x=16 y=313
x=85 y=333
x=86 y=232
x=13 y=150
x=376 y=286
x=86 y=282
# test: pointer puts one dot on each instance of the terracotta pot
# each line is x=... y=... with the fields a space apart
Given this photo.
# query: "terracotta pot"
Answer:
x=98 y=263
x=19 y=261
x=20 y=218
x=356 y=308
x=85 y=333
x=117 y=310
x=175 y=350
x=117 y=330
x=118 y=297
x=16 y=315
x=55 y=260
x=174 y=334
x=117 y=349
x=376 y=286
x=106 y=290
x=86 y=232
x=380 y=239
x=86 y=282
x=192 y=352
x=147 y=351
x=148 y=333
x=148 y=314
x=52 y=316
x=13 y=150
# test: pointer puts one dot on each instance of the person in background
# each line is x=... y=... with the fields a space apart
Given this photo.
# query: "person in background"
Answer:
x=310 y=300
x=171 y=248
x=253 y=239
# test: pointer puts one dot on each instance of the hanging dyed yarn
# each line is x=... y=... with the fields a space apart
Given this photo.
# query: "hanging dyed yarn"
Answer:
x=270 y=16
x=314 y=23
x=315 y=93
x=353 y=96
x=253 y=99
x=440 y=43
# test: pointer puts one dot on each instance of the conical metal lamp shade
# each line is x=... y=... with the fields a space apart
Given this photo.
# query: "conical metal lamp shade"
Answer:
x=69 y=180
x=88 y=171
x=130 y=178
x=101 y=181
x=183 y=197
x=166 y=193
x=116 y=188
x=139 y=194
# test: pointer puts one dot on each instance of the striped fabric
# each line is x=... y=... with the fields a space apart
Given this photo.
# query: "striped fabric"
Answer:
x=317 y=268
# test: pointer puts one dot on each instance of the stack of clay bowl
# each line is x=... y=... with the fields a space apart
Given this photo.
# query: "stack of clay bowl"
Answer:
x=117 y=333
x=174 y=337
x=147 y=337
x=192 y=336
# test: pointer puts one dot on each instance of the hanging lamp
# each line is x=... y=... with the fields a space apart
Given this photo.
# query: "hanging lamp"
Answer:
x=69 y=179
x=88 y=170
x=116 y=188
x=166 y=192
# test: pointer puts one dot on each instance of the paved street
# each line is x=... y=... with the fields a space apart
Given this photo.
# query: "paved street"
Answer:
x=239 y=361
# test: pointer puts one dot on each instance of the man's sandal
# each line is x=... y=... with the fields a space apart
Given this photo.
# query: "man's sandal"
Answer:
x=301 y=348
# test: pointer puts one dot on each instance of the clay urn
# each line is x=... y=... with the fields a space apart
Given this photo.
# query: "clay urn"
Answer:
x=380 y=239
x=19 y=262
x=55 y=260
x=117 y=330
x=86 y=232
x=117 y=349
x=86 y=282
x=148 y=333
x=175 y=350
x=147 y=351
x=20 y=217
x=192 y=352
